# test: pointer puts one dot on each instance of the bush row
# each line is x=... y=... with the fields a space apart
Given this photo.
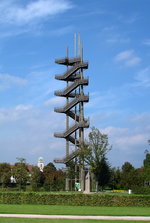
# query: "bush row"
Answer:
x=141 y=190
x=73 y=199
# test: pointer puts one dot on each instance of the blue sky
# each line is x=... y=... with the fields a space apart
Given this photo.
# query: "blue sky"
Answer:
x=116 y=41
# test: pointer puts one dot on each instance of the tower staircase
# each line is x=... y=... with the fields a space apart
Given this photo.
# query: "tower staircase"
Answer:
x=75 y=99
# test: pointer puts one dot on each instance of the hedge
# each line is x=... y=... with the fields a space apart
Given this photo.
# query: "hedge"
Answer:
x=141 y=190
x=74 y=199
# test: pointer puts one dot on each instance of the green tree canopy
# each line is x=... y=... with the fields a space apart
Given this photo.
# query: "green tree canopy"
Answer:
x=5 y=173
x=49 y=174
x=146 y=163
x=127 y=175
x=21 y=174
x=93 y=153
x=37 y=178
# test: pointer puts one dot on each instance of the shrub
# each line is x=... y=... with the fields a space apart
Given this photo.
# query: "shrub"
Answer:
x=73 y=199
x=141 y=190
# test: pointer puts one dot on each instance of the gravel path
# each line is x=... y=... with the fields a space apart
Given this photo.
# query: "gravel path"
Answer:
x=134 y=218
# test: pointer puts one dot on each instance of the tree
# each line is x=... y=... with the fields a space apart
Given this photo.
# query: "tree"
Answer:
x=127 y=174
x=5 y=174
x=49 y=174
x=146 y=161
x=21 y=160
x=20 y=173
x=93 y=153
x=37 y=178
x=52 y=166
x=115 y=178
x=104 y=173
x=59 y=180
x=146 y=168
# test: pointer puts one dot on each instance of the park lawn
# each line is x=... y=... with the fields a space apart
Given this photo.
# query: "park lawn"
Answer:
x=73 y=210
x=25 y=220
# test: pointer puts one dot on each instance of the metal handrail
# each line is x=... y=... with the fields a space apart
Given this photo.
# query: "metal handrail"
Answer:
x=64 y=134
x=72 y=70
x=72 y=103
x=71 y=87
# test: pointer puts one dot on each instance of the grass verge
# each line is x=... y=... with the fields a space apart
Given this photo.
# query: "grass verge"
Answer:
x=73 y=210
x=25 y=220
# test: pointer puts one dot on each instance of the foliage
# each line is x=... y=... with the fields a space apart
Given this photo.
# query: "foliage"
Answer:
x=49 y=172
x=127 y=174
x=115 y=182
x=5 y=174
x=128 y=177
x=53 y=178
x=146 y=168
x=36 y=178
x=74 y=199
x=146 y=161
x=21 y=160
x=21 y=173
x=104 y=173
x=141 y=190
x=52 y=166
x=93 y=153
x=59 y=180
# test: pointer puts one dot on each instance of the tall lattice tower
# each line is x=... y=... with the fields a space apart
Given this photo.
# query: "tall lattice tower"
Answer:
x=74 y=107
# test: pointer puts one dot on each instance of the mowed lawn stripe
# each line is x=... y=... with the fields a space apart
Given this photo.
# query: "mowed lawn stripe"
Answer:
x=73 y=210
x=25 y=220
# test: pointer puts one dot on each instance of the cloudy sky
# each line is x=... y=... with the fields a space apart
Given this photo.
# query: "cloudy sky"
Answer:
x=116 y=40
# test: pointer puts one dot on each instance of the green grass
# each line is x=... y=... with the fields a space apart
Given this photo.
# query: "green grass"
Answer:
x=25 y=220
x=73 y=210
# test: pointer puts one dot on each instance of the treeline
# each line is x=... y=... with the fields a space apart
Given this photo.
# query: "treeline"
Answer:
x=24 y=177
x=21 y=176
x=128 y=177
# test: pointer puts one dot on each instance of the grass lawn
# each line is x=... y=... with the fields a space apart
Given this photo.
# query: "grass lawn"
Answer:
x=73 y=210
x=25 y=220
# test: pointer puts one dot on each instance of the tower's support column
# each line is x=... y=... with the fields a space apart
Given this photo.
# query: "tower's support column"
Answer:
x=67 y=179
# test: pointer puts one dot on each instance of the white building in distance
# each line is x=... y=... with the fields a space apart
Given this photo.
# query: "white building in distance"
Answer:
x=41 y=163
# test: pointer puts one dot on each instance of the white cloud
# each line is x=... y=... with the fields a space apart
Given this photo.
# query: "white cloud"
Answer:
x=128 y=138
x=113 y=36
x=133 y=61
x=115 y=131
x=117 y=39
x=101 y=100
x=143 y=78
x=41 y=87
x=128 y=58
x=146 y=42
x=27 y=132
x=128 y=144
x=141 y=119
x=124 y=55
x=11 y=12
x=61 y=31
x=8 y=81
x=55 y=101
x=15 y=113
x=35 y=88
